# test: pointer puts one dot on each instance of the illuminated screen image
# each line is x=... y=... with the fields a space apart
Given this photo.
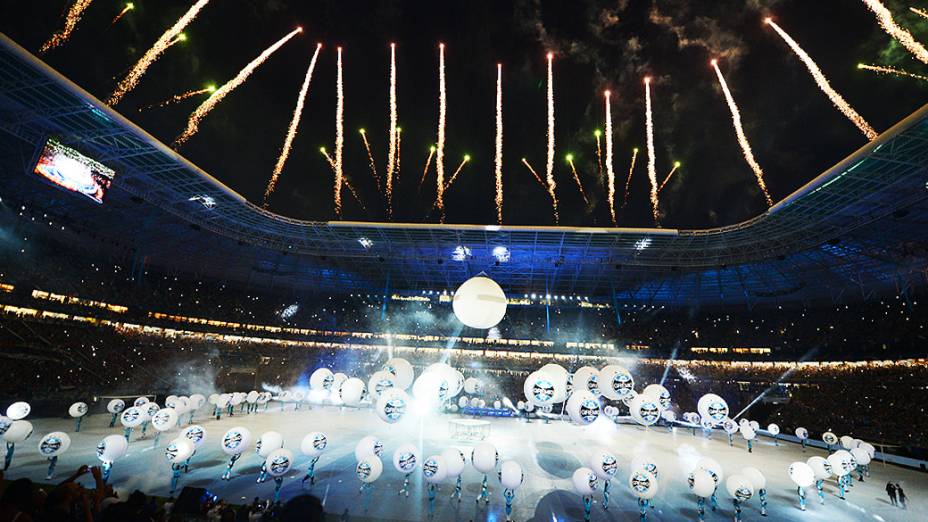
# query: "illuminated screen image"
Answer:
x=73 y=171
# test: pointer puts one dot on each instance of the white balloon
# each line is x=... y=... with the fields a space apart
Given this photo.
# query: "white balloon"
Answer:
x=820 y=467
x=754 y=425
x=583 y=407
x=434 y=469
x=430 y=389
x=150 y=410
x=643 y=484
x=18 y=431
x=165 y=419
x=713 y=407
x=392 y=405
x=773 y=429
x=131 y=417
x=479 y=303
x=251 y=398
x=196 y=434
x=351 y=391
x=369 y=445
x=584 y=481
x=116 y=406
x=802 y=433
x=540 y=388
x=658 y=392
x=369 y=468
x=756 y=477
x=604 y=464
x=78 y=409
x=406 y=458
x=847 y=442
x=179 y=450
x=731 y=427
x=402 y=370
x=829 y=438
x=645 y=409
x=484 y=457
x=236 y=440
x=111 y=448
x=322 y=379
x=379 y=382
x=713 y=467
x=140 y=401
x=454 y=462
x=586 y=378
x=497 y=405
x=644 y=462
x=701 y=483
x=313 y=444
x=747 y=432
x=866 y=446
x=278 y=462
x=473 y=386
x=615 y=382
x=510 y=474
x=560 y=376
x=860 y=456
x=54 y=444
x=801 y=474
x=739 y=487
x=18 y=410
x=268 y=442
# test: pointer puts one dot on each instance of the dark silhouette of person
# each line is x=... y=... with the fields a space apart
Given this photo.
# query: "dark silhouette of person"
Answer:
x=891 y=491
x=901 y=494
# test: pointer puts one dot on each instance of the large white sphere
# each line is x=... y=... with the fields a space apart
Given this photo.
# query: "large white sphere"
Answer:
x=430 y=389
x=479 y=303
x=54 y=444
x=541 y=389
x=251 y=398
x=484 y=457
x=713 y=467
x=18 y=431
x=454 y=461
x=615 y=382
x=111 y=448
x=165 y=419
x=604 y=464
x=473 y=386
x=820 y=467
x=197 y=400
x=561 y=376
x=131 y=417
x=586 y=378
x=659 y=393
x=643 y=484
x=406 y=458
x=829 y=438
x=369 y=468
x=847 y=442
x=313 y=444
x=739 y=487
x=351 y=391
x=140 y=401
x=179 y=450
x=713 y=407
x=150 y=410
x=392 y=405
x=115 y=406
x=196 y=434
x=402 y=370
x=236 y=441
x=802 y=433
x=321 y=379
x=584 y=481
x=644 y=462
x=701 y=483
x=861 y=456
x=278 y=463
x=380 y=382
x=645 y=409
x=801 y=474
x=434 y=469
x=510 y=474
x=18 y=410
x=78 y=409
x=369 y=445
x=773 y=429
x=583 y=407
x=268 y=442
x=758 y=481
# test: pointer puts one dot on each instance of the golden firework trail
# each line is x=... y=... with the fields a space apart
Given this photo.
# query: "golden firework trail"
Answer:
x=599 y=152
x=391 y=152
x=129 y=6
x=919 y=12
x=498 y=159
x=628 y=180
x=294 y=126
x=399 y=141
x=370 y=158
x=652 y=171
x=345 y=181
x=823 y=84
x=610 y=173
x=534 y=173
x=885 y=19
x=891 y=70
x=573 y=170
x=676 y=166
x=193 y=123
x=457 y=171
x=440 y=151
x=549 y=165
x=739 y=133
x=425 y=171
x=178 y=98
x=71 y=19
x=339 y=135
x=166 y=40
x=182 y=37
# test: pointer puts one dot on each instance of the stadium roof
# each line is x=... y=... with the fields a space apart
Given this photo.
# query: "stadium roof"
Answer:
x=858 y=228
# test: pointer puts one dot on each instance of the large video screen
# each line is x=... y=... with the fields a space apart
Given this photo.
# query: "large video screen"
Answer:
x=73 y=171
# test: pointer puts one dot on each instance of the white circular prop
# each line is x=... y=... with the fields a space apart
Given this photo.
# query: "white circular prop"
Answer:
x=713 y=467
x=802 y=433
x=479 y=303
x=801 y=474
x=278 y=463
x=847 y=442
x=454 y=462
x=78 y=409
x=18 y=410
x=473 y=386
x=369 y=445
x=116 y=406
x=540 y=388
x=139 y=402
x=645 y=409
x=643 y=484
x=380 y=382
x=321 y=379
x=484 y=457
x=402 y=370
x=435 y=469
x=739 y=487
x=584 y=481
x=179 y=450
x=111 y=448
x=406 y=458
x=586 y=378
x=713 y=407
x=314 y=444
x=54 y=444
x=19 y=431
x=658 y=392
x=268 y=442
x=820 y=467
x=615 y=382
x=196 y=434
x=701 y=483
x=829 y=438
x=773 y=429
x=510 y=474
x=236 y=441
x=430 y=389
x=351 y=391
x=757 y=479
x=861 y=456
x=392 y=405
x=165 y=419
x=604 y=464
x=644 y=462
x=369 y=468
x=131 y=417
x=583 y=407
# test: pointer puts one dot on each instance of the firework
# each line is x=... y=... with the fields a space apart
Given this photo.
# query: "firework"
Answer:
x=166 y=40
x=739 y=133
x=549 y=164
x=457 y=171
x=534 y=173
x=193 y=123
x=399 y=141
x=885 y=19
x=676 y=165
x=339 y=135
x=573 y=170
x=599 y=152
x=610 y=173
x=498 y=159
x=425 y=171
x=294 y=125
x=628 y=180
x=919 y=12
x=71 y=19
x=179 y=98
x=823 y=84
x=891 y=70
x=391 y=152
x=370 y=158
x=182 y=37
x=129 y=6
x=440 y=151
x=649 y=128
x=345 y=180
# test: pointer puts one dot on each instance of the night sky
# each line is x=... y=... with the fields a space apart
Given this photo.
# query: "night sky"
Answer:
x=794 y=130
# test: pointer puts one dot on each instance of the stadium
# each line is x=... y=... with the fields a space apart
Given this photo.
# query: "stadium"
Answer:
x=197 y=355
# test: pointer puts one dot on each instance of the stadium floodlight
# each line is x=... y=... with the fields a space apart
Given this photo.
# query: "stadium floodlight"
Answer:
x=206 y=201
x=365 y=242
x=642 y=243
x=460 y=253
x=501 y=254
